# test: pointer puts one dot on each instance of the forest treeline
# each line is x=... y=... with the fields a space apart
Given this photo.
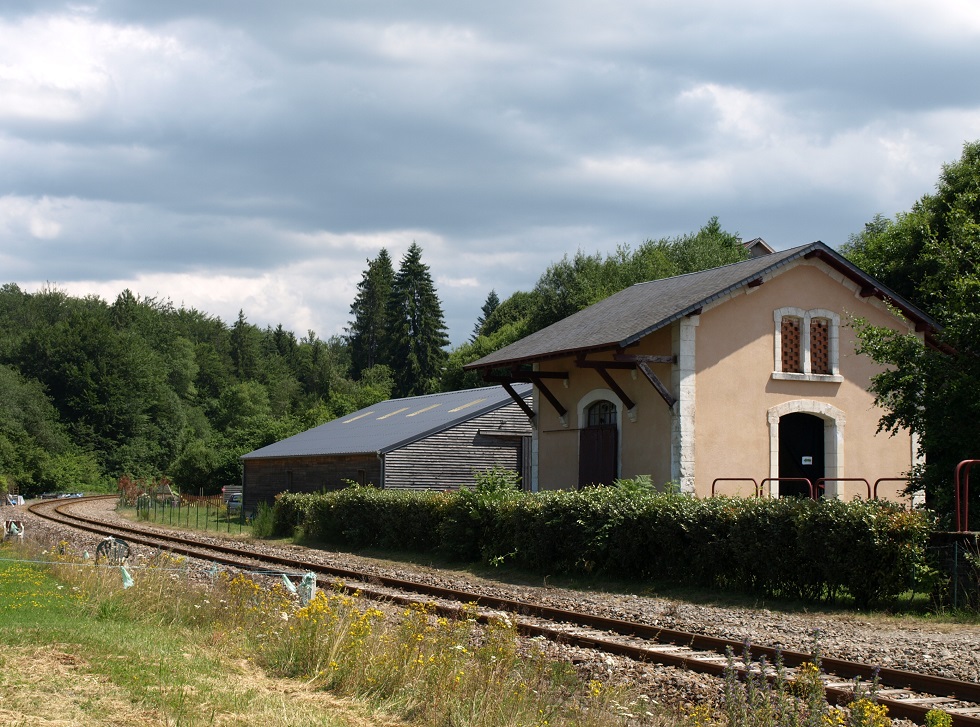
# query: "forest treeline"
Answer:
x=92 y=390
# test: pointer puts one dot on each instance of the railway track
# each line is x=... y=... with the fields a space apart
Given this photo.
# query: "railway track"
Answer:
x=908 y=695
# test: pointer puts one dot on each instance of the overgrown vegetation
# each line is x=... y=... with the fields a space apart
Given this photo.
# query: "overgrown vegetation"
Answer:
x=159 y=646
x=768 y=696
x=181 y=640
x=828 y=550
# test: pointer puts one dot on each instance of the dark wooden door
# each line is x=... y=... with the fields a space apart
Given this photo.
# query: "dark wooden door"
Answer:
x=801 y=452
x=597 y=456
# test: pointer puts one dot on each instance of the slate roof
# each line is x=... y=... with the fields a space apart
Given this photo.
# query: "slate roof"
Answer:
x=627 y=316
x=391 y=424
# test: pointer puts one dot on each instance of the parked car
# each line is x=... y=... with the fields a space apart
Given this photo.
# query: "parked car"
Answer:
x=229 y=490
x=235 y=504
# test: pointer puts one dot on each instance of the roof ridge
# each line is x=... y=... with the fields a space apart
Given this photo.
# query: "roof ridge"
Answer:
x=787 y=252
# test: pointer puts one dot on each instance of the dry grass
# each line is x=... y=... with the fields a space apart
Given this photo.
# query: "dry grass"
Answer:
x=47 y=685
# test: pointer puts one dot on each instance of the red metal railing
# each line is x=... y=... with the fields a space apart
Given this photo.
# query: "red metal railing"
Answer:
x=961 y=494
x=735 y=479
x=822 y=480
x=817 y=488
x=809 y=484
x=874 y=490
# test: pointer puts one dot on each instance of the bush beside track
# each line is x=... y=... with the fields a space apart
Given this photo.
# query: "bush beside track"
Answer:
x=817 y=551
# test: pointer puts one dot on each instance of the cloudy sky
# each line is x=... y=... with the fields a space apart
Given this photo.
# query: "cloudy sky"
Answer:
x=237 y=154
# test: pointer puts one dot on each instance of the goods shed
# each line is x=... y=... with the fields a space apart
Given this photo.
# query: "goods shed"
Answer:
x=418 y=443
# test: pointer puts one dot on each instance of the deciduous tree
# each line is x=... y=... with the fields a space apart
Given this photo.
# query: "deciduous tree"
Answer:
x=930 y=255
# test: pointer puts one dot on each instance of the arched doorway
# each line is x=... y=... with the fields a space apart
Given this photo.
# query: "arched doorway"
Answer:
x=801 y=452
x=598 y=445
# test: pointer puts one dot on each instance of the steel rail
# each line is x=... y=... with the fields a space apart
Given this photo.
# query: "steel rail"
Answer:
x=669 y=650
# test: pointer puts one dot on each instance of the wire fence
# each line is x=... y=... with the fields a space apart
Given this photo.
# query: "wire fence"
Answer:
x=199 y=512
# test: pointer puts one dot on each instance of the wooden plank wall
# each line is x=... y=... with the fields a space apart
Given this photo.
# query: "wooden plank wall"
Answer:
x=448 y=459
x=266 y=478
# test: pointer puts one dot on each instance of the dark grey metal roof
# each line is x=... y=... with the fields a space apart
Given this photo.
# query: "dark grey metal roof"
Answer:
x=627 y=316
x=391 y=424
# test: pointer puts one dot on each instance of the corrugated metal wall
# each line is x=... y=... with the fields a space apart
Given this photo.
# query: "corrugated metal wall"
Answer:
x=447 y=460
x=266 y=478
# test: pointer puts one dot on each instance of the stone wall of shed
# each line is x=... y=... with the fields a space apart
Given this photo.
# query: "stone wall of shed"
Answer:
x=447 y=460
x=266 y=478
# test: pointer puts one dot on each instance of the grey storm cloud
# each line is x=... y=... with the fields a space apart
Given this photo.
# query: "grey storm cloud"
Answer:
x=253 y=155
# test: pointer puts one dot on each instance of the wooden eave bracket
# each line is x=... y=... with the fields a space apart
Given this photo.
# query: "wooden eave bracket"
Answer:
x=518 y=399
x=602 y=368
x=537 y=377
x=642 y=363
x=533 y=377
x=636 y=358
x=657 y=383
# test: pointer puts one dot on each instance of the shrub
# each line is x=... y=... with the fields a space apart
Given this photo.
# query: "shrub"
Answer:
x=263 y=524
x=790 y=547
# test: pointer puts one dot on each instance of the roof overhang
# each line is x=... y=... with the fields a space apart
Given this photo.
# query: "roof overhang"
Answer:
x=816 y=250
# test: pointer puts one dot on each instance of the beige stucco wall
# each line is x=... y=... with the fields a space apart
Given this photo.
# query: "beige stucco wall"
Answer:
x=735 y=393
x=736 y=389
x=644 y=437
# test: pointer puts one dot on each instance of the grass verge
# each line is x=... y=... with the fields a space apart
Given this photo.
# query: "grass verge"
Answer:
x=72 y=652
x=80 y=647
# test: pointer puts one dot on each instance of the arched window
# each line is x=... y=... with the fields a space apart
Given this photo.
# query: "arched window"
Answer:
x=602 y=414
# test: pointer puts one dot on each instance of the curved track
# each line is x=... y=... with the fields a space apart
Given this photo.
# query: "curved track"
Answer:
x=908 y=695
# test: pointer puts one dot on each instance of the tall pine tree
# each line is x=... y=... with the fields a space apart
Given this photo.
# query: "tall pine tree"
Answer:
x=491 y=304
x=369 y=327
x=417 y=332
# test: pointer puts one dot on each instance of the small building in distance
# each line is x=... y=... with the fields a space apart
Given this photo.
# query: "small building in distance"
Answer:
x=419 y=443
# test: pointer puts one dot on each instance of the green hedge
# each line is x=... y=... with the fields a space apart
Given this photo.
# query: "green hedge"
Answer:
x=815 y=551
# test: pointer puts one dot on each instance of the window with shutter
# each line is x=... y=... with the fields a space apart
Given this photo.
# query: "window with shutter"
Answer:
x=806 y=345
x=820 y=346
x=792 y=351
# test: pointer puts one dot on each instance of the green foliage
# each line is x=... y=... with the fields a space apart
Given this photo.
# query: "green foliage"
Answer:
x=369 y=313
x=455 y=378
x=347 y=396
x=929 y=256
x=639 y=485
x=363 y=517
x=99 y=390
x=489 y=306
x=36 y=452
x=938 y=718
x=814 y=550
x=515 y=312
x=768 y=697
x=416 y=329
x=570 y=285
x=470 y=526
x=497 y=481
x=263 y=524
